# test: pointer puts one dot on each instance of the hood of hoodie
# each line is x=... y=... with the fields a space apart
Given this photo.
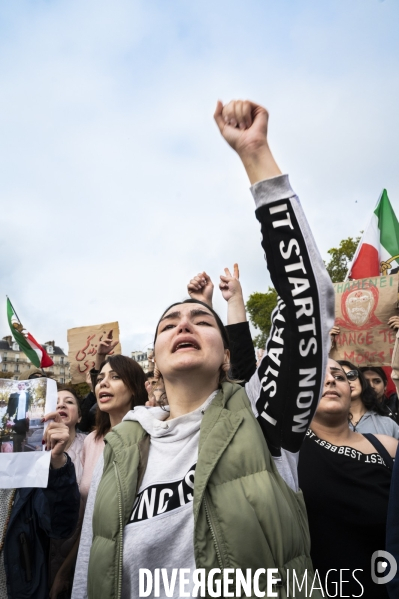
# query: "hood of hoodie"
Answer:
x=156 y=421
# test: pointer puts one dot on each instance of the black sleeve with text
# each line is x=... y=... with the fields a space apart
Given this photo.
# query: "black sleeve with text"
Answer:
x=291 y=373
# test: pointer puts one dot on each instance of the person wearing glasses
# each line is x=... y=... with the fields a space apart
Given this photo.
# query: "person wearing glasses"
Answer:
x=347 y=507
x=345 y=479
x=367 y=414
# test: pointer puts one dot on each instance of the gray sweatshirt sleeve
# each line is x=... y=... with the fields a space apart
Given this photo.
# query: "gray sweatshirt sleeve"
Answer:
x=79 y=590
x=285 y=389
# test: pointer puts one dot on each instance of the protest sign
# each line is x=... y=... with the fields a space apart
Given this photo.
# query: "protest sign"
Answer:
x=83 y=343
x=22 y=407
x=362 y=310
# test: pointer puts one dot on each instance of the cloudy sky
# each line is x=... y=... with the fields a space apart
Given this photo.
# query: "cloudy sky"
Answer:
x=116 y=187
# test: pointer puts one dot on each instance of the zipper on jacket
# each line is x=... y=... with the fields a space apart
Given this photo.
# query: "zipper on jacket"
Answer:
x=213 y=533
x=118 y=484
x=26 y=556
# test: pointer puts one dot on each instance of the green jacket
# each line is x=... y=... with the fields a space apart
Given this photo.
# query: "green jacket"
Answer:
x=245 y=515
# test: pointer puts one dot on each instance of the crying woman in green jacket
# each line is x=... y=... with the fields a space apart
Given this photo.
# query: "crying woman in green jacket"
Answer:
x=209 y=482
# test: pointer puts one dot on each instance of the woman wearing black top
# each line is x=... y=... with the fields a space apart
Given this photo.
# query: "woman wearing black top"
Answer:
x=345 y=478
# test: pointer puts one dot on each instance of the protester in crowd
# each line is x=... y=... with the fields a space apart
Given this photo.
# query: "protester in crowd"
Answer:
x=89 y=403
x=119 y=387
x=378 y=380
x=345 y=478
x=128 y=378
x=30 y=517
x=68 y=409
x=150 y=384
x=156 y=395
x=150 y=378
x=367 y=412
x=244 y=508
x=367 y=415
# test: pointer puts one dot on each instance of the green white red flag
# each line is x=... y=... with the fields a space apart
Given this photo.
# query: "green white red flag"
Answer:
x=378 y=249
x=31 y=348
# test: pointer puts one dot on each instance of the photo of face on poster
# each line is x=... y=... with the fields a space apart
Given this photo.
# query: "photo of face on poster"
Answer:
x=22 y=407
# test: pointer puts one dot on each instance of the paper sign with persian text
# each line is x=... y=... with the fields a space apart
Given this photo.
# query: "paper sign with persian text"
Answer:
x=362 y=310
x=83 y=343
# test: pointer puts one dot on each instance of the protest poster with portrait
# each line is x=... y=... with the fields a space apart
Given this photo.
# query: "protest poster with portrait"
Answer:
x=23 y=462
x=362 y=310
x=83 y=343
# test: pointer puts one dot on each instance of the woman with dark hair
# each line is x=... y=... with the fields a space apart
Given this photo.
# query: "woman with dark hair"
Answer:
x=378 y=380
x=210 y=481
x=69 y=412
x=345 y=478
x=367 y=413
x=30 y=518
x=68 y=407
x=119 y=386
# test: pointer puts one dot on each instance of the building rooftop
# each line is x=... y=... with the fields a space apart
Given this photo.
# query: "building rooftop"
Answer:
x=5 y=345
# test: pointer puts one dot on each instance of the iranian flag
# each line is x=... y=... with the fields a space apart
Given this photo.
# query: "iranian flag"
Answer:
x=31 y=348
x=378 y=249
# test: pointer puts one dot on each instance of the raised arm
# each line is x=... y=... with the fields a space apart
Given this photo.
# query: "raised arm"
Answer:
x=57 y=506
x=200 y=288
x=105 y=346
x=242 y=352
x=286 y=387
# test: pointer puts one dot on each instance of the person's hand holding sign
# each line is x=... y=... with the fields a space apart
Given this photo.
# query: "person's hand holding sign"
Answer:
x=56 y=438
x=393 y=322
x=105 y=347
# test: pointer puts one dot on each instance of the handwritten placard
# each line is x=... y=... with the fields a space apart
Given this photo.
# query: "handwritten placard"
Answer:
x=83 y=343
x=362 y=310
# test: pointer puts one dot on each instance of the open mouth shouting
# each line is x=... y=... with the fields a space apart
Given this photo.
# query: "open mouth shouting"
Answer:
x=183 y=344
x=104 y=396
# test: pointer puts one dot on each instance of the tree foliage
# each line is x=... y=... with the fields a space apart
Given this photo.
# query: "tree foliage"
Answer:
x=6 y=375
x=259 y=308
x=81 y=389
x=341 y=258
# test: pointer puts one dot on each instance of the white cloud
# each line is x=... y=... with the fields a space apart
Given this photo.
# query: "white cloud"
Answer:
x=117 y=187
